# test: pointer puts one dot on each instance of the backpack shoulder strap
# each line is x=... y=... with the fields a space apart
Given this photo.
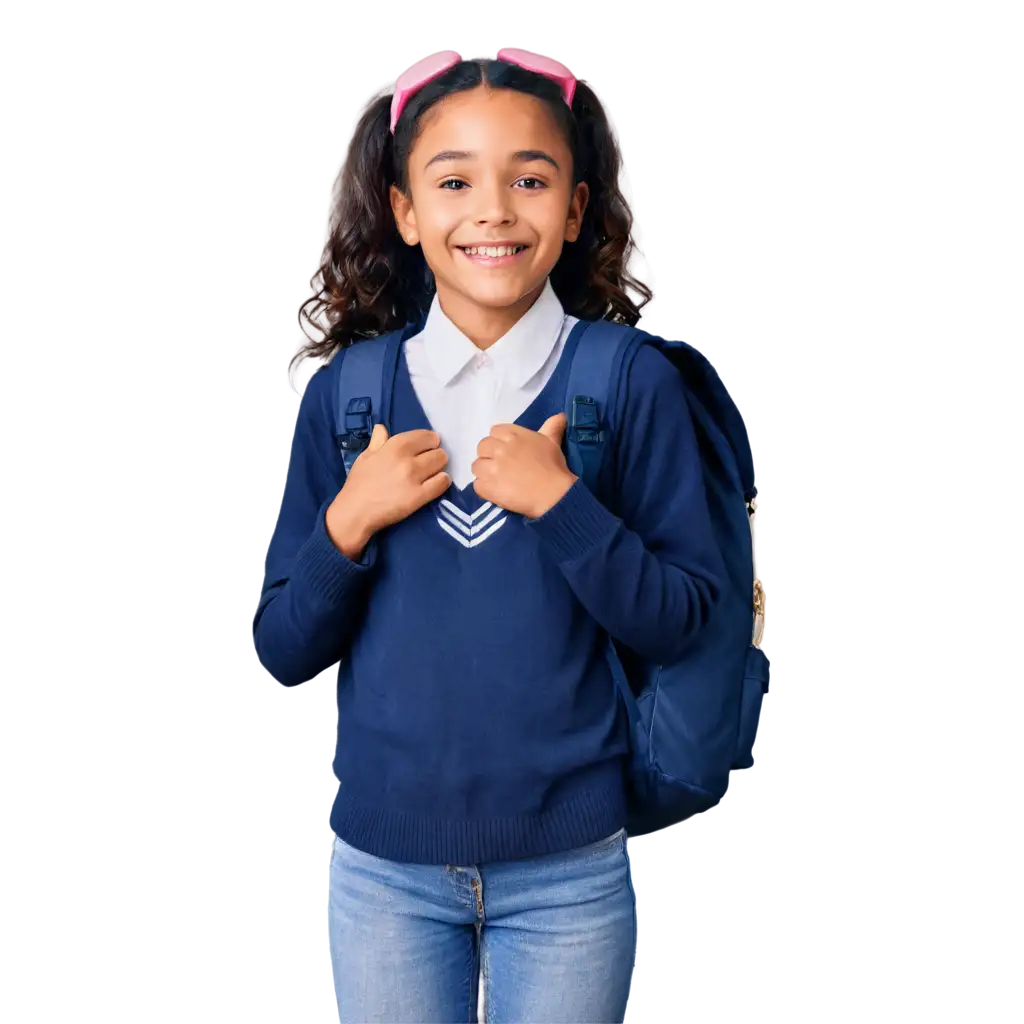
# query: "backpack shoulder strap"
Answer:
x=725 y=451
x=721 y=434
x=363 y=396
x=719 y=422
x=592 y=394
x=596 y=387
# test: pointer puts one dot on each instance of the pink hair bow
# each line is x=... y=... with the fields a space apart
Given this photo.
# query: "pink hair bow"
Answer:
x=423 y=71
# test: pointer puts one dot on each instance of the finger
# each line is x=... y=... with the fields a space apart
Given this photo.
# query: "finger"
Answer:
x=554 y=427
x=378 y=437
x=489 y=447
x=430 y=462
x=507 y=431
x=433 y=487
x=415 y=441
x=482 y=468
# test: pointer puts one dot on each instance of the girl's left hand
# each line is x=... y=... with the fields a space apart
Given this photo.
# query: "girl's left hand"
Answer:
x=523 y=470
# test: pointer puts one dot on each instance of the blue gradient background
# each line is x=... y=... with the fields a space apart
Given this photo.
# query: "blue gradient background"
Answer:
x=162 y=840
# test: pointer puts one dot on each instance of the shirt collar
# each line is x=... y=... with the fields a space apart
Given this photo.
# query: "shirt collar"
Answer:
x=519 y=353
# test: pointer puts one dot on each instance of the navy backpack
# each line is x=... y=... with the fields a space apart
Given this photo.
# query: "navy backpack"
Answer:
x=694 y=721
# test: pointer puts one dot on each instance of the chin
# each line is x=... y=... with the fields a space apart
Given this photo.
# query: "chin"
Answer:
x=499 y=293
x=496 y=295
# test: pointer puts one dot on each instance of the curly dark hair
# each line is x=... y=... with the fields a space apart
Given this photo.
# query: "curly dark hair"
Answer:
x=370 y=281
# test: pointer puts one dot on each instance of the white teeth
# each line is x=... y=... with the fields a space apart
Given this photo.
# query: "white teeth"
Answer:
x=494 y=250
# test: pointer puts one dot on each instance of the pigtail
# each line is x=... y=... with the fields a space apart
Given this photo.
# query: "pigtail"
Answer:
x=369 y=280
x=591 y=277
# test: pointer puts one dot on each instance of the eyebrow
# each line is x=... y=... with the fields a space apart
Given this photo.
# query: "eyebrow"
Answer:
x=520 y=156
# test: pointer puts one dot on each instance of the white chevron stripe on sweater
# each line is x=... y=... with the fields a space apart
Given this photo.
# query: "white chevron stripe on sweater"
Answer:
x=463 y=527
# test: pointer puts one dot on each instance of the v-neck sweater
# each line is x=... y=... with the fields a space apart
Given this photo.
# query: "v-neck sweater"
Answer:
x=477 y=715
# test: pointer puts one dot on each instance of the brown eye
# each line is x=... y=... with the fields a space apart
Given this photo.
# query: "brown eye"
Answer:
x=452 y=181
x=540 y=184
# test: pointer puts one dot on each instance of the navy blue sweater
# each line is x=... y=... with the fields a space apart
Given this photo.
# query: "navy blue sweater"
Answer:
x=477 y=716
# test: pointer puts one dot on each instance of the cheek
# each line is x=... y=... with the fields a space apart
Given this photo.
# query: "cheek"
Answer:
x=549 y=216
x=436 y=222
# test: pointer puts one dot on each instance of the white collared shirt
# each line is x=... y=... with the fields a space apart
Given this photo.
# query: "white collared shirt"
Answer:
x=464 y=391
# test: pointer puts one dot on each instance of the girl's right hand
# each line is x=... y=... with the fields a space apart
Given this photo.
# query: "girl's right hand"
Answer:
x=391 y=479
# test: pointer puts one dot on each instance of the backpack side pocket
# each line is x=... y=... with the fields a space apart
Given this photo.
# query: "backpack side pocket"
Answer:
x=755 y=686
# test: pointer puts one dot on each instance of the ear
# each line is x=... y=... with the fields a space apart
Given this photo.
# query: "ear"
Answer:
x=405 y=216
x=577 y=205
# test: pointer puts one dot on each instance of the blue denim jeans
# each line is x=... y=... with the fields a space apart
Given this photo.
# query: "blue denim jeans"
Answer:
x=549 y=938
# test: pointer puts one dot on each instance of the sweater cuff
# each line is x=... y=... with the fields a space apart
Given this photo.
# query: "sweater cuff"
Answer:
x=326 y=569
x=574 y=524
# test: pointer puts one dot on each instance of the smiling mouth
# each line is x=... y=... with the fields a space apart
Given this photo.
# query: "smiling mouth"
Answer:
x=492 y=251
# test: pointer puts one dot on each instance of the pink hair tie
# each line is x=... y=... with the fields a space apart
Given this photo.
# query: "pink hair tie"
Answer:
x=542 y=66
x=415 y=77
x=417 y=74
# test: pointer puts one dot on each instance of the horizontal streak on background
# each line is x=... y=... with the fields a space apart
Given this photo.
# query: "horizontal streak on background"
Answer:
x=830 y=56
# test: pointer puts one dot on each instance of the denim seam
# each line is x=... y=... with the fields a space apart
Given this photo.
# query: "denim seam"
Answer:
x=484 y=980
x=474 y=992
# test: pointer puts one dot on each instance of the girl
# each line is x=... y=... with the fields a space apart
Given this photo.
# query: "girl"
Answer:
x=463 y=576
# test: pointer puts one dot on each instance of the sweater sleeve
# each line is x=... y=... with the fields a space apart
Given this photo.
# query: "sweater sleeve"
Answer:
x=652 y=577
x=311 y=592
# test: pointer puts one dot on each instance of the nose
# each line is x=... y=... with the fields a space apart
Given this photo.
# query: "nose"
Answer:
x=494 y=204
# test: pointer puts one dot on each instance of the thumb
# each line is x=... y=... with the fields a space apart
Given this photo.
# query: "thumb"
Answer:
x=378 y=437
x=554 y=427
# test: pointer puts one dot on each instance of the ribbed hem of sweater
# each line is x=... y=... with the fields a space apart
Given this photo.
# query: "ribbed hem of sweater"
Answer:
x=326 y=569
x=574 y=524
x=590 y=814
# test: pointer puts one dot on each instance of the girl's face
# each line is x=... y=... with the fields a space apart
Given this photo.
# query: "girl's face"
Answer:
x=490 y=167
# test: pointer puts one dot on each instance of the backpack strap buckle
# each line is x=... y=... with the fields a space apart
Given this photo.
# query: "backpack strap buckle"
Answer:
x=585 y=427
x=358 y=427
x=585 y=440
